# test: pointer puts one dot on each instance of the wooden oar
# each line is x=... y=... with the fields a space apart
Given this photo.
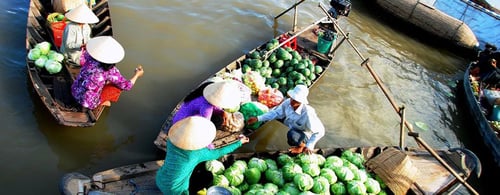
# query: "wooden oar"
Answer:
x=395 y=106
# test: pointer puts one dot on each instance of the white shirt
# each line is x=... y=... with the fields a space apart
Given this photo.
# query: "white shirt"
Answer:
x=304 y=118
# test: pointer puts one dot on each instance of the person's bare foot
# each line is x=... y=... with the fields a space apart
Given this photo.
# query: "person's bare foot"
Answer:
x=297 y=149
x=106 y=103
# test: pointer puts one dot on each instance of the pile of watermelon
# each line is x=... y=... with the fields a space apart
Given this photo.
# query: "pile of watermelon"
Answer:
x=301 y=174
x=283 y=68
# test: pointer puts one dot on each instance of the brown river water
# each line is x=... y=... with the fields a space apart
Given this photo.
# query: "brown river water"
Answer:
x=180 y=43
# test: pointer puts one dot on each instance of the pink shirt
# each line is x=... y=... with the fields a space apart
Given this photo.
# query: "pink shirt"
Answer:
x=88 y=85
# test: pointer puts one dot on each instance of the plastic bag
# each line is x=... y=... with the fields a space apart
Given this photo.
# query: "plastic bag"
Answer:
x=253 y=109
x=270 y=97
x=254 y=81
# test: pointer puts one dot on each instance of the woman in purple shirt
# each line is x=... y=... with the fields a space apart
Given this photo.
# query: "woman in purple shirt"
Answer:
x=99 y=81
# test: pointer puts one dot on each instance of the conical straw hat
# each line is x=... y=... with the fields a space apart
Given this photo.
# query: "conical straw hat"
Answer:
x=82 y=14
x=299 y=93
x=105 y=49
x=192 y=133
x=223 y=94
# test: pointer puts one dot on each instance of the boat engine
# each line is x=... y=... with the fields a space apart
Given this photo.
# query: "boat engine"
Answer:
x=340 y=8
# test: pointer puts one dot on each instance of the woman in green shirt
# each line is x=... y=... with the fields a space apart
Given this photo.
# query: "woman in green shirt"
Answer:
x=187 y=147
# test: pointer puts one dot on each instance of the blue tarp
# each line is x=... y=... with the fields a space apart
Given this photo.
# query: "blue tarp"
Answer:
x=484 y=23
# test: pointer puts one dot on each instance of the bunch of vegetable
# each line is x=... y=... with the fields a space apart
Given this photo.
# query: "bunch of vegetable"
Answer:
x=254 y=81
x=283 y=68
x=270 y=97
x=46 y=58
x=301 y=174
x=55 y=17
x=253 y=109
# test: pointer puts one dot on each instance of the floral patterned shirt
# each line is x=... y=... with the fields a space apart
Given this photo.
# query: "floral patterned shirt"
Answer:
x=88 y=85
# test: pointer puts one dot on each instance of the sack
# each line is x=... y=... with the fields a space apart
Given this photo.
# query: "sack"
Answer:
x=233 y=122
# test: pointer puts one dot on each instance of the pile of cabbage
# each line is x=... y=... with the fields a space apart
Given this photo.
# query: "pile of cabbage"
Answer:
x=46 y=58
x=300 y=174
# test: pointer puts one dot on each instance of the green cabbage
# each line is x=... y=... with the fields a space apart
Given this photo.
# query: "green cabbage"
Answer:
x=290 y=170
x=271 y=164
x=220 y=180
x=329 y=175
x=321 y=185
x=257 y=163
x=356 y=187
x=291 y=188
x=311 y=169
x=34 y=54
x=304 y=182
x=234 y=190
x=284 y=159
x=303 y=158
x=52 y=66
x=214 y=166
x=271 y=187
x=53 y=55
x=346 y=154
x=243 y=186
x=44 y=47
x=240 y=164
x=333 y=161
x=360 y=175
x=256 y=186
x=338 y=188
x=234 y=176
x=40 y=62
x=380 y=181
x=344 y=173
x=321 y=159
x=252 y=175
x=275 y=176
x=372 y=186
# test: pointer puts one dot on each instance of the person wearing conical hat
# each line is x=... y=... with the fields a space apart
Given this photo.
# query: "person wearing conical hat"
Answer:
x=99 y=81
x=210 y=98
x=186 y=148
x=77 y=32
x=305 y=127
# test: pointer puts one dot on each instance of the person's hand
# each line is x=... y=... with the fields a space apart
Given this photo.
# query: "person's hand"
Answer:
x=252 y=120
x=306 y=150
x=244 y=139
x=139 y=71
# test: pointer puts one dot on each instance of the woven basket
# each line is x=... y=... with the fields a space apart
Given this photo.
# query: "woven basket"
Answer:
x=395 y=168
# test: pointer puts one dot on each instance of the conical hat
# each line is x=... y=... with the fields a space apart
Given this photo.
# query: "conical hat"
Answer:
x=105 y=49
x=223 y=94
x=192 y=133
x=82 y=14
x=299 y=93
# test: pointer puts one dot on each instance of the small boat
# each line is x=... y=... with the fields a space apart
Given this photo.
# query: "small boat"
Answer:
x=54 y=90
x=433 y=21
x=480 y=110
x=302 y=41
x=428 y=175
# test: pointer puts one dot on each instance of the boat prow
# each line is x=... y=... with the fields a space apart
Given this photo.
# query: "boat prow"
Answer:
x=433 y=21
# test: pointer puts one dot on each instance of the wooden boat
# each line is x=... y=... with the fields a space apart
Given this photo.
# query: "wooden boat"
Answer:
x=54 y=89
x=433 y=21
x=429 y=176
x=305 y=41
x=479 y=111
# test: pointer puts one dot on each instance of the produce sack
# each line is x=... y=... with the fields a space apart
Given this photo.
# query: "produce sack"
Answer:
x=270 y=97
x=253 y=109
x=254 y=81
x=233 y=122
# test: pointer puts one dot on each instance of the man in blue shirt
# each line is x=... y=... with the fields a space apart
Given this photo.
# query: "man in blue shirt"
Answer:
x=305 y=128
